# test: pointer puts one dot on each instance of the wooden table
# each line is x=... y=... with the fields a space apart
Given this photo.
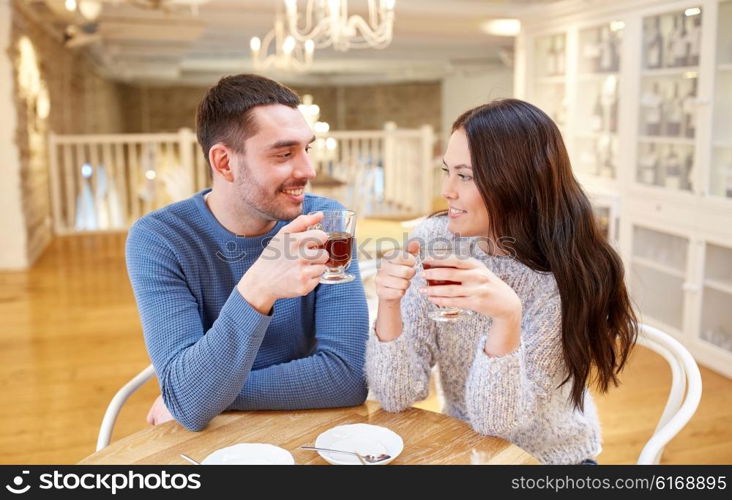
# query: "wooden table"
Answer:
x=429 y=438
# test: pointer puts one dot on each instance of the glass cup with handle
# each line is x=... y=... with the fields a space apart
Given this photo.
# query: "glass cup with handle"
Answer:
x=442 y=249
x=340 y=226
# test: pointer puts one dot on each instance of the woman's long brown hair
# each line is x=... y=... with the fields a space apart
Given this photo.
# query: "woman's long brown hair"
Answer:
x=523 y=173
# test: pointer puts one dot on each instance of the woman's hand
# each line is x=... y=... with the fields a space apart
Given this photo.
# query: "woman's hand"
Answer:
x=480 y=290
x=392 y=282
x=395 y=273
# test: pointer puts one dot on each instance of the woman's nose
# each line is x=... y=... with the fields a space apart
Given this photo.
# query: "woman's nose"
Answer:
x=448 y=192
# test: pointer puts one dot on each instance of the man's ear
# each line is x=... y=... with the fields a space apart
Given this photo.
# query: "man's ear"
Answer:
x=221 y=158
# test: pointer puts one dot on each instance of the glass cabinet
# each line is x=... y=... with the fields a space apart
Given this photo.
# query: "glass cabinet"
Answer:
x=597 y=100
x=550 y=70
x=658 y=269
x=643 y=94
x=668 y=100
x=720 y=181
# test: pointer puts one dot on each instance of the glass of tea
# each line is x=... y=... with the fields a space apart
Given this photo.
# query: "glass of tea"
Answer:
x=340 y=225
x=437 y=250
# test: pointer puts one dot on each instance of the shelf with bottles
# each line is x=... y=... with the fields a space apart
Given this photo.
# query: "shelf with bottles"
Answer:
x=668 y=108
x=550 y=56
x=662 y=139
x=672 y=40
x=681 y=72
x=599 y=49
x=667 y=166
x=597 y=154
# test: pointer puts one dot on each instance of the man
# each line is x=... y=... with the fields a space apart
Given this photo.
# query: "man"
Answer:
x=227 y=288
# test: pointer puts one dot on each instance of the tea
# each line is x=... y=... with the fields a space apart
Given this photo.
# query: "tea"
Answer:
x=440 y=282
x=339 y=248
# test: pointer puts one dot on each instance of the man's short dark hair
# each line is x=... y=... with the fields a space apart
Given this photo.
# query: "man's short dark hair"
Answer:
x=224 y=115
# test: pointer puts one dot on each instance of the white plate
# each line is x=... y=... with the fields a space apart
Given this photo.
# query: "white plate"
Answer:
x=250 y=454
x=365 y=439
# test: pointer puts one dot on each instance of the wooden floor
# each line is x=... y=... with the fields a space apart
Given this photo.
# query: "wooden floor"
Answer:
x=71 y=337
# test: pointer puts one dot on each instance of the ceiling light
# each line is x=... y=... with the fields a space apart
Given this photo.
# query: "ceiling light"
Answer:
x=501 y=27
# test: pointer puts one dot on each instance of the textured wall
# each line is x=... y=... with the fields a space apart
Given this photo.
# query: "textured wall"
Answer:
x=81 y=100
x=362 y=107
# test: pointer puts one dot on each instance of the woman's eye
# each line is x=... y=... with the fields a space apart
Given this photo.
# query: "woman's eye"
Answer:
x=465 y=178
x=444 y=170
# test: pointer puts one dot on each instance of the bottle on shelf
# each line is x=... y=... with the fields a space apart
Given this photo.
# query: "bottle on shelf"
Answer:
x=613 y=114
x=653 y=110
x=610 y=104
x=551 y=58
x=693 y=39
x=607 y=50
x=560 y=55
x=607 y=166
x=674 y=113
x=591 y=52
x=616 y=39
x=672 y=170
x=686 y=175
x=648 y=167
x=654 y=44
x=681 y=46
x=671 y=41
x=598 y=116
x=689 y=109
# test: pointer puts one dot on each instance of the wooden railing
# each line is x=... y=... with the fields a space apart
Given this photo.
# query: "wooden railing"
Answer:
x=106 y=182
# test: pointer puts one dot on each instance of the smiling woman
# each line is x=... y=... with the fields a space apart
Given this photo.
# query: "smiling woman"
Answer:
x=547 y=309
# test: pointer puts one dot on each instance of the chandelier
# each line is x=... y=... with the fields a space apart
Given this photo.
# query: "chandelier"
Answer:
x=287 y=55
x=326 y=23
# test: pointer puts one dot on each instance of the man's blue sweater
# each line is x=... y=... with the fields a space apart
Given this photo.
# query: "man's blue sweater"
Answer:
x=211 y=350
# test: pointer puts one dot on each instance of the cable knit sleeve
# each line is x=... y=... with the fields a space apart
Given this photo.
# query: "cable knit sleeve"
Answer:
x=398 y=372
x=503 y=392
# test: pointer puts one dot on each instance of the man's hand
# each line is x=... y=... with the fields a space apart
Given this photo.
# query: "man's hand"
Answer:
x=290 y=266
x=158 y=413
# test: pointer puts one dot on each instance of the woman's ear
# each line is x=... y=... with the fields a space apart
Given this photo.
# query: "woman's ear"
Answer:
x=220 y=157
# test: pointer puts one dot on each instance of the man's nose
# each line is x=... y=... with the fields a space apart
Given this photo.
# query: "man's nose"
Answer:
x=304 y=168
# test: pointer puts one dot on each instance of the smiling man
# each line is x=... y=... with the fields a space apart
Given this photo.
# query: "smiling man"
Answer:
x=226 y=282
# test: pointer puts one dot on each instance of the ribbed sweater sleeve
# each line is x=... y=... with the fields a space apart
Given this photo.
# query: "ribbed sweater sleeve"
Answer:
x=200 y=372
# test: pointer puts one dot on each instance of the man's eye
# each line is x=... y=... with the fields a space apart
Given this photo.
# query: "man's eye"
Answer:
x=285 y=155
x=308 y=148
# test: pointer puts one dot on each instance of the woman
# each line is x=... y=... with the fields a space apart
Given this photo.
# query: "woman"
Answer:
x=551 y=310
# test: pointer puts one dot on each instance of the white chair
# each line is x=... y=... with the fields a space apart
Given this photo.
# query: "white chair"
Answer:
x=684 y=396
x=119 y=399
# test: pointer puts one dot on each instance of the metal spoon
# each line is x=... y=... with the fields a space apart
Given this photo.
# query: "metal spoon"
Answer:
x=186 y=457
x=364 y=459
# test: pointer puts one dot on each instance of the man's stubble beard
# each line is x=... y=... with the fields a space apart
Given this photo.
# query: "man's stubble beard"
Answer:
x=258 y=198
